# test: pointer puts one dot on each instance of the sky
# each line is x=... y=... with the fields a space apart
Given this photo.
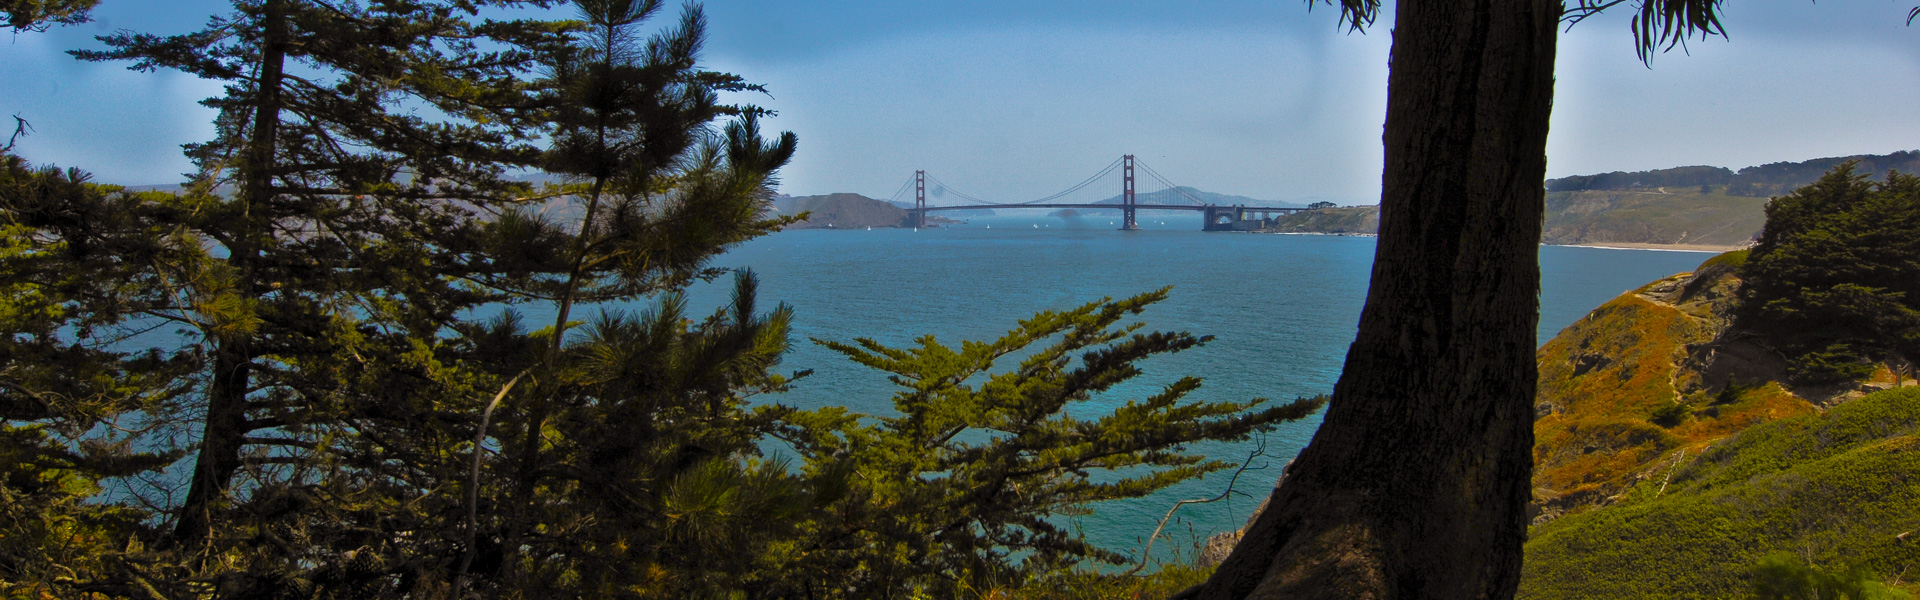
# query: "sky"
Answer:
x=1016 y=100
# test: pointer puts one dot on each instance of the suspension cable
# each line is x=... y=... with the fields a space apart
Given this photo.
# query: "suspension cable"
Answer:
x=903 y=190
x=1163 y=181
x=949 y=189
x=1089 y=181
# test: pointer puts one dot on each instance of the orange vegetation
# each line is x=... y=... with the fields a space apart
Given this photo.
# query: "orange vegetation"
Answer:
x=1620 y=399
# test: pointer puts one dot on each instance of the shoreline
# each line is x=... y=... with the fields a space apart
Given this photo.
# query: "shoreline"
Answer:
x=1710 y=248
x=1715 y=249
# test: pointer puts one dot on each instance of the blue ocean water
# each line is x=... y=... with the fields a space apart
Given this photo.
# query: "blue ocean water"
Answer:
x=1282 y=310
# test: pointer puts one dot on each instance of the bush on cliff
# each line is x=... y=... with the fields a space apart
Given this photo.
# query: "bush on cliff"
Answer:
x=1835 y=280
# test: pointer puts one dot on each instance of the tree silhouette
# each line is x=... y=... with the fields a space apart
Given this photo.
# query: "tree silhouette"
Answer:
x=1416 y=484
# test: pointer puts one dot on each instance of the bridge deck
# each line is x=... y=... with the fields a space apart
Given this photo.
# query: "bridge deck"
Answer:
x=1191 y=207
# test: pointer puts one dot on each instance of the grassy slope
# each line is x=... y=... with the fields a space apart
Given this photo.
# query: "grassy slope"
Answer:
x=1654 y=216
x=1605 y=379
x=1834 y=488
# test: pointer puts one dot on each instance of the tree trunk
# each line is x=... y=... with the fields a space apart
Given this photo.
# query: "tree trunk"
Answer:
x=1416 y=484
x=223 y=435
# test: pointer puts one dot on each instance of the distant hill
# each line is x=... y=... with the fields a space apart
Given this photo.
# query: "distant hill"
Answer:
x=1187 y=196
x=1338 y=219
x=846 y=211
x=1702 y=206
x=1682 y=215
x=840 y=211
x=1766 y=180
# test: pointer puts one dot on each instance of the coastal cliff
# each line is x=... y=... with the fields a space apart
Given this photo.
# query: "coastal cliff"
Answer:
x=1673 y=453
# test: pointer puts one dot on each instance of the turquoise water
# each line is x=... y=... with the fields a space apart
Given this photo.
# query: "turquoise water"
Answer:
x=1282 y=308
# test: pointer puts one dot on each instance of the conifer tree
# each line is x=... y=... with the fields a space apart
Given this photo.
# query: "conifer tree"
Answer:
x=38 y=15
x=963 y=489
x=358 y=148
x=653 y=194
x=1834 y=281
x=74 y=401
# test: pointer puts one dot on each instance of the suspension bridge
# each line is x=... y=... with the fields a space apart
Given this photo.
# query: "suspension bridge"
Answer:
x=1162 y=195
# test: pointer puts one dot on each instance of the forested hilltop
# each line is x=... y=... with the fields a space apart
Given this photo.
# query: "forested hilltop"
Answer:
x=1698 y=207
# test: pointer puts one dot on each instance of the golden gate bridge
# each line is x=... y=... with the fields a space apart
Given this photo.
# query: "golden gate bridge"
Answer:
x=1121 y=171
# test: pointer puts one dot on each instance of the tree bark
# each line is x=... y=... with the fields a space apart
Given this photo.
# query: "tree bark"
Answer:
x=1416 y=484
x=223 y=435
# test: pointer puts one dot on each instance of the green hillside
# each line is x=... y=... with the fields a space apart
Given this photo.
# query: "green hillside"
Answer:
x=1839 y=489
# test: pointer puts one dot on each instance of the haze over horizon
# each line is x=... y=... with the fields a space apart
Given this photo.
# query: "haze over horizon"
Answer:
x=1005 y=101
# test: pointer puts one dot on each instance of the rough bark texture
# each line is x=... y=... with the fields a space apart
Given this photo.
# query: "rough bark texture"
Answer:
x=224 y=434
x=1416 y=484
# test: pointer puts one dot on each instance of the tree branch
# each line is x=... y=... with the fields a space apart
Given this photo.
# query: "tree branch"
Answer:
x=1146 y=554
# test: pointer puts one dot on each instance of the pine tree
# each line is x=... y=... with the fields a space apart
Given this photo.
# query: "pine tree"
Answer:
x=75 y=401
x=330 y=231
x=38 y=15
x=1834 y=281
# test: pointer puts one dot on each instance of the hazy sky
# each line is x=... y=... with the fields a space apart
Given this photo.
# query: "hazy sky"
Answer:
x=1016 y=100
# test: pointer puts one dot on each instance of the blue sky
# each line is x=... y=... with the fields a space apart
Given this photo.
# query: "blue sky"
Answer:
x=1016 y=100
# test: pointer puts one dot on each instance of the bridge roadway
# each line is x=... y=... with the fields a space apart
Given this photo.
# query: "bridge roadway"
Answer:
x=1191 y=207
x=1215 y=217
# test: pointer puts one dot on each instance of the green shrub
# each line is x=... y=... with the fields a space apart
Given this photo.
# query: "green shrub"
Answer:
x=1783 y=576
x=1733 y=259
x=1670 y=415
x=1833 y=364
x=1837 y=487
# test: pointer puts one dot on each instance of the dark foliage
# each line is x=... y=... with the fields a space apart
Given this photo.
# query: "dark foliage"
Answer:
x=1835 y=278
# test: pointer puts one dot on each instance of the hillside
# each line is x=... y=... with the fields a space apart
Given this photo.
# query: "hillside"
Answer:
x=1771 y=179
x=1681 y=216
x=1672 y=453
x=1698 y=207
x=1834 y=490
x=1642 y=377
x=840 y=211
x=1339 y=219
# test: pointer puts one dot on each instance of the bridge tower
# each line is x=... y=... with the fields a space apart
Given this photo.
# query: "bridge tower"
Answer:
x=1126 y=196
x=919 y=217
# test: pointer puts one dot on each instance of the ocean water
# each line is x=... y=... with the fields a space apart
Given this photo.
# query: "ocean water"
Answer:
x=1282 y=310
